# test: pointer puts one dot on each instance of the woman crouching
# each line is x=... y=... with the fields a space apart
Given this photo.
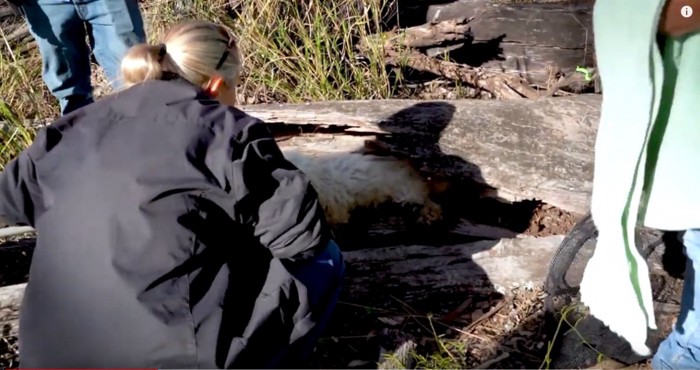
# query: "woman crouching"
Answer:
x=172 y=232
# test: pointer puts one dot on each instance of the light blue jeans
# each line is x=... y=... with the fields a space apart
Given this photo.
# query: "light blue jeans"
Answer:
x=681 y=350
x=63 y=29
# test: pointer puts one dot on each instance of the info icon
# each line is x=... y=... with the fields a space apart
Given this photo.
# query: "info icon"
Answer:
x=686 y=11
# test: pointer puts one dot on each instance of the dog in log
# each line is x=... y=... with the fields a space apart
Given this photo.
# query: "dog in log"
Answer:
x=346 y=181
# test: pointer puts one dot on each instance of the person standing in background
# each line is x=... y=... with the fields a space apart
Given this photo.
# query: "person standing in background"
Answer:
x=647 y=157
x=69 y=31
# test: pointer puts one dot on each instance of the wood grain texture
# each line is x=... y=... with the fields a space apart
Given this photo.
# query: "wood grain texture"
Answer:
x=535 y=38
x=523 y=149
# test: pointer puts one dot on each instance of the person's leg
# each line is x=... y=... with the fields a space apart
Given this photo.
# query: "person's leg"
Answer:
x=116 y=26
x=323 y=279
x=681 y=350
x=60 y=35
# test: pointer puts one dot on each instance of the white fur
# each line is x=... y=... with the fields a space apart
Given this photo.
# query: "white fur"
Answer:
x=345 y=181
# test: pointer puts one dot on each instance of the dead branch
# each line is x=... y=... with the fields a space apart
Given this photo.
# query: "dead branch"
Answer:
x=500 y=85
x=426 y=35
x=18 y=33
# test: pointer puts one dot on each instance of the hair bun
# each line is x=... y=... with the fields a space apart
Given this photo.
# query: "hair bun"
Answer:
x=143 y=62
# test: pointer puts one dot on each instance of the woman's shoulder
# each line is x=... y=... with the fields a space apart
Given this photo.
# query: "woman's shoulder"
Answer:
x=175 y=104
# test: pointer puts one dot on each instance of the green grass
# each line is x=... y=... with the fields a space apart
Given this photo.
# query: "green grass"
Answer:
x=299 y=51
x=294 y=52
x=449 y=356
x=21 y=99
x=571 y=316
x=14 y=135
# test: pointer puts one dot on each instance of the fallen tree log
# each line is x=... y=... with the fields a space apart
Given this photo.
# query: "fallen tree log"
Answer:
x=10 y=302
x=536 y=40
x=410 y=273
x=415 y=272
x=401 y=50
x=520 y=149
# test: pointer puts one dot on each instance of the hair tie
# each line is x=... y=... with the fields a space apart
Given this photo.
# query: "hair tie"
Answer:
x=222 y=60
x=161 y=52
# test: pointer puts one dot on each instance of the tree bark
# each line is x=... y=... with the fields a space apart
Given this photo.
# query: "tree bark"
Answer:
x=479 y=63
x=535 y=39
x=10 y=302
x=518 y=149
x=416 y=272
x=523 y=149
x=410 y=273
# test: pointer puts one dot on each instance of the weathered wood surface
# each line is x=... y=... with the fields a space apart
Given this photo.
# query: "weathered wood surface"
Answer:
x=524 y=149
x=415 y=272
x=15 y=230
x=411 y=272
x=10 y=302
x=536 y=38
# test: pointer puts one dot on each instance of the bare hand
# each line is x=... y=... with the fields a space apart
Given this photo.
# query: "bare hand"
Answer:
x=673 y=23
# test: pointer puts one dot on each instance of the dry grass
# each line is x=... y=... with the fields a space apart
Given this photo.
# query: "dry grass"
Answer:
x=22 y=96
x=294 y=52
x=488 y=332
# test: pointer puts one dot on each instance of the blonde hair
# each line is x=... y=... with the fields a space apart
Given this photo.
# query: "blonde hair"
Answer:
x=191 y=50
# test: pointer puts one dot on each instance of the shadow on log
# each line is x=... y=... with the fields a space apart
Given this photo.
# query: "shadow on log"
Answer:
x=518 y=149
x=416 y=272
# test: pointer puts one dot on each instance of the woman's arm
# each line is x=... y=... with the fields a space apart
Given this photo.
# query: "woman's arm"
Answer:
x=276 y=198
x=20 y=192
x=674 y=24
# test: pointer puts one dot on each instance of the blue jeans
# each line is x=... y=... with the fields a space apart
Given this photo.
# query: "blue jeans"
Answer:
x=681 y=350
x=61 y=29
x=323 y=281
